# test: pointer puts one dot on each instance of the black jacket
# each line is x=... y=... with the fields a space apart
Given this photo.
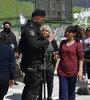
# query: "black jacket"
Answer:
x=9 y=38
x=7 y=61
x=55 y=47
x=32 y=44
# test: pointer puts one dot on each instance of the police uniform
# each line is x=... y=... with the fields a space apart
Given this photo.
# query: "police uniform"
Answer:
x=32 y=49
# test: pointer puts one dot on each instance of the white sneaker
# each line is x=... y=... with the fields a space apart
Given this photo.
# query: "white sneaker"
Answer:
x=88 y=81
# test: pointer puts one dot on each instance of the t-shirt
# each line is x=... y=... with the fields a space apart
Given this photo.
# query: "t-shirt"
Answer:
x=69 y=57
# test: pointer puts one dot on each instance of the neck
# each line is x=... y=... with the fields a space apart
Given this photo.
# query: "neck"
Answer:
x=70 y=40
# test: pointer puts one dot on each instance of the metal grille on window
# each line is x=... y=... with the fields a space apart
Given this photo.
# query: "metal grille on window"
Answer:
x=56 y=9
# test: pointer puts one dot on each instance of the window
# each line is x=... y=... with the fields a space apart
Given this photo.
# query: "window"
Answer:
x=56 y=10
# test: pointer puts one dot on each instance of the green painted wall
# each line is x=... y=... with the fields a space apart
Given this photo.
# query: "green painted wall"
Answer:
x=10 y=10
x=78 y=10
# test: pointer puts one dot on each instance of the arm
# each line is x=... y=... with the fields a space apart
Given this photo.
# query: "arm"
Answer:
x=80 y=70
x=11 y=82
x=55 y=53
x=58 y=54
x=80 y=59
x=12 y=68
x=14 y=42
x=33 y=40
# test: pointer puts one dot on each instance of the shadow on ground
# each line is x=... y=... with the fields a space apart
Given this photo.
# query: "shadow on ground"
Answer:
x=83 y=91
x=14 y=97
x=20 y=79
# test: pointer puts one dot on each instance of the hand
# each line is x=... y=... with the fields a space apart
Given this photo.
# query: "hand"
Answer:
x=51 y=37
x=56 y=56
x=11 y=82
x=80 y=75
x=55 y=53
x=17 y=55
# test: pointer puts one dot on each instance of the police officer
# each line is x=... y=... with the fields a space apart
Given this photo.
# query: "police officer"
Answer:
x=32 y=48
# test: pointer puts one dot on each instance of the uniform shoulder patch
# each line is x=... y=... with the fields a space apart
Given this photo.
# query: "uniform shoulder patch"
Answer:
x=32 y=32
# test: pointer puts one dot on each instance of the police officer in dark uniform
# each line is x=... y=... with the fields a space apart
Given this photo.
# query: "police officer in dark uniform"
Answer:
x=32 y=48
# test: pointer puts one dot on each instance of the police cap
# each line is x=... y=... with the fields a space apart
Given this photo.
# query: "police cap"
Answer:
x=38 y=13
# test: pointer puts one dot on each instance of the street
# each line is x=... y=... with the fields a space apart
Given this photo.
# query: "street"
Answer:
x=15 y=92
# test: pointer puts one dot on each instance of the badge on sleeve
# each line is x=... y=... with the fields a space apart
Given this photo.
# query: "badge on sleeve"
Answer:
x=32 y=32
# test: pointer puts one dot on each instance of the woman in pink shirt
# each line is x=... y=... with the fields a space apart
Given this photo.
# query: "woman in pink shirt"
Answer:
x=71 y=61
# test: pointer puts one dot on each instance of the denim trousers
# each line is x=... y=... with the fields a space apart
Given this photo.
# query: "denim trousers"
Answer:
x=67 y=87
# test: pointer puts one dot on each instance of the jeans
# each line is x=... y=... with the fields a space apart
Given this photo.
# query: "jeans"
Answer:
x=67 y=88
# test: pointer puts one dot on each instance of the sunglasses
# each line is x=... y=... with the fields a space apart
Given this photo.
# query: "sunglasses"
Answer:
x=88 y=30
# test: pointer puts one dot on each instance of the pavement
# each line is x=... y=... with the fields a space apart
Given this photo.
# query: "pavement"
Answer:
x=15 y=92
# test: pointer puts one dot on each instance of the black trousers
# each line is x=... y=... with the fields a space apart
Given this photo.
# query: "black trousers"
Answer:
x=4 y=85
x=88 y=69
x=87 y=64
x=49 y=81
x=32 y=80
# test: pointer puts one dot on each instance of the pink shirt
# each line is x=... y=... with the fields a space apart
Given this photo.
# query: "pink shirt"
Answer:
x=69 y=57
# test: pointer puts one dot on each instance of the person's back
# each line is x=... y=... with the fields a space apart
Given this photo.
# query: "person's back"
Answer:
x=7 y=68
x=5 y=60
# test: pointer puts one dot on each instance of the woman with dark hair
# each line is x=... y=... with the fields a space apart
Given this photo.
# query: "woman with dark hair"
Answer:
x=86 y=48
x=70 y=65
x=7 y=68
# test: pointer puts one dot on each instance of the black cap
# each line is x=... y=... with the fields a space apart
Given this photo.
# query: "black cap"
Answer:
x=38 y=13
x=6 y=22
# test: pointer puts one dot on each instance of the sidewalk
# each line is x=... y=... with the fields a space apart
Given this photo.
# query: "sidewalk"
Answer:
x=15 y=92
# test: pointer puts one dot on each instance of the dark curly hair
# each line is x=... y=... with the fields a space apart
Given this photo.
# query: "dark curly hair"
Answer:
x=75 y=29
